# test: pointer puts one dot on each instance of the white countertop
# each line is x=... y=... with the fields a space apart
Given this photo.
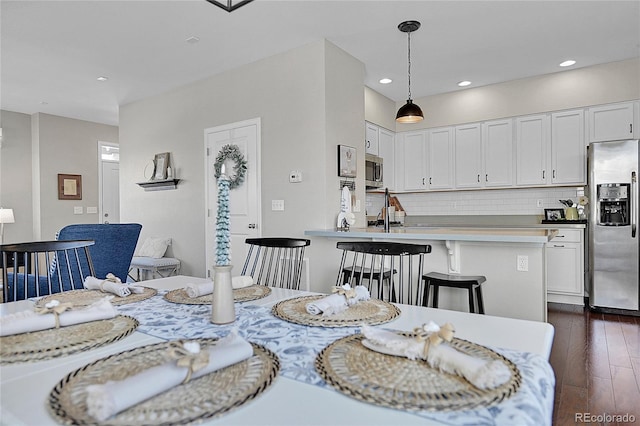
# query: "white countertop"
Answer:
x=481 y=234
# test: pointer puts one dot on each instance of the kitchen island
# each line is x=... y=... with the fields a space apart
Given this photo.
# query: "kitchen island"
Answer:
x=514 y=289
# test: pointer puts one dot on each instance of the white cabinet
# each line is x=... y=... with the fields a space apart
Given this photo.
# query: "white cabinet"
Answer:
x=414 y=154
x=568 y=148
x=565 y=267
x=611 y=122
x=386 y=150
x=371 y=138
x=468 y=155
x=532 y=142
x=497 y=153
x=484 y=154
x=440 y=158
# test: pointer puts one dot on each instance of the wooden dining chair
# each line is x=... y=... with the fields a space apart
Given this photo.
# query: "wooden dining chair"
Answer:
x=276 y=262
x=45 y=267
x=394 y=268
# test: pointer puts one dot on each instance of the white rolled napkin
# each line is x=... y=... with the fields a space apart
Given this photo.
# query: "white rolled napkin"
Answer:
x=202 y=289
x=108 y=399
x=111 y=284
x=339 y=301
x=30 y=320
x=482 y=374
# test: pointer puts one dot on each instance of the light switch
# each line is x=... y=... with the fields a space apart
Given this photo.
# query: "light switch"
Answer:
x=277 y=205
x=77 y=210
x=92 y=210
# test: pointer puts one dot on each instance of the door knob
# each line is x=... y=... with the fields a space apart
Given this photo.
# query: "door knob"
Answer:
x=252 y=226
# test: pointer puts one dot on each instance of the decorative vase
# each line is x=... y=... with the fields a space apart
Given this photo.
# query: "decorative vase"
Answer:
x=222 y=308
x=571 y=213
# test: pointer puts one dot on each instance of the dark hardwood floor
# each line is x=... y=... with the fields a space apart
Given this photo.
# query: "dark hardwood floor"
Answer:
x=596 y=360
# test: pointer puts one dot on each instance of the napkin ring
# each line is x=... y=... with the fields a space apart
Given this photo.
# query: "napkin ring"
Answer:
x=110 y=278
x=188 y=355
x=434 y=338
x=56 y=308
x=348 y=293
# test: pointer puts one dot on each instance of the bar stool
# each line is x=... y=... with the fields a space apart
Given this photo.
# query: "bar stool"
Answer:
x=473 y=284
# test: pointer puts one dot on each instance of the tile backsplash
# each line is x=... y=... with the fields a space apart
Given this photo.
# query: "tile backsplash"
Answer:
x=521 y=201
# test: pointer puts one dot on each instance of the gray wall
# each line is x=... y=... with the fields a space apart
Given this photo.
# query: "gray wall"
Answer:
x=309 y=99
x=600 y=84
x=34 y=150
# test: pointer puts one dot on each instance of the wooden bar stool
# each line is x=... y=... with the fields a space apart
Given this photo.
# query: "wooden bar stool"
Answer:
x=473 y=284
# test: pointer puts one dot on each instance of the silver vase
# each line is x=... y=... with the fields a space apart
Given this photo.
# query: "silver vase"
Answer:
x=222 y=308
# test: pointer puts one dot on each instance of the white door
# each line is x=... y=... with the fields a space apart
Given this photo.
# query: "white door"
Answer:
x=109 y=183
x=244 y=201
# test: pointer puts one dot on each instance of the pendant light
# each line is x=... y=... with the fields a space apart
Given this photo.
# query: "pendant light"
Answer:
x=409 y=112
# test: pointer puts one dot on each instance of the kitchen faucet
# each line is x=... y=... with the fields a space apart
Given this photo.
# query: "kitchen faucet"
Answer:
x=386 y=210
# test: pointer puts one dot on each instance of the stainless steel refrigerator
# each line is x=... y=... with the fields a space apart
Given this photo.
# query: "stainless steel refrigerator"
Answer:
x=614 y=252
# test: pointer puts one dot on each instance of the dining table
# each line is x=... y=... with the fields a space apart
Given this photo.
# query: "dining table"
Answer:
x=298 y=394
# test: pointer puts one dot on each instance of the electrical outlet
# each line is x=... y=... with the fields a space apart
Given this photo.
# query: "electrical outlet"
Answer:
x=523 y=263
x=539 y=203
x=277 y=205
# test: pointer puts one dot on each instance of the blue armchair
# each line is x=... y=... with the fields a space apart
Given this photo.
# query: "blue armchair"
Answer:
x=114 y=245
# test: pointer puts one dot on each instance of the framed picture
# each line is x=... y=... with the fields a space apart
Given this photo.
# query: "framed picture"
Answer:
x=69 y=187
x=347 y=161
x=161 y=162
x=554 y=214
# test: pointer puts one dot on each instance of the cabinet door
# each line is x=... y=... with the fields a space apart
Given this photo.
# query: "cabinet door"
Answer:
x=611 y=122
x=564 y=268
x=568 y=148
x=386 y=150
x=532 y=140
x=468 y=155
x=371 y=139
x=440 y=158
x=497 y=153
x=414 y=161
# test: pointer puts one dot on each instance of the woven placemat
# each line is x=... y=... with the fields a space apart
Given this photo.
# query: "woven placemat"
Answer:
x=371 y=312
x=203 y=398
x=245 y=294
x=87 y=297
x=403 y=384
x=56 y=342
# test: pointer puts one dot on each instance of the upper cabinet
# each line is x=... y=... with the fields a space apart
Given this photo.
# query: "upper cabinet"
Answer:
x=414 y=150
x=497 y=153
x=568 y=148
x=468 y=148
x=612 y=122
x=440 y=158
x=532 y=143
x=371 y=138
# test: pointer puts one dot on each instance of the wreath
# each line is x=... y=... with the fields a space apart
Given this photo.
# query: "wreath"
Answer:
x=231 y=152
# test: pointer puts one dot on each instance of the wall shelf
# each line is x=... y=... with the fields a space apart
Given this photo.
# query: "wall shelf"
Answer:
x=159 y=185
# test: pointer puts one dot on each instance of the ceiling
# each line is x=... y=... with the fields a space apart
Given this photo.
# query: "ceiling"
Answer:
x=53 y=51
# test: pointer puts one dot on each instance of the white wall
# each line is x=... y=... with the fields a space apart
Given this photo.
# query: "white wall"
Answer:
x=309 y=100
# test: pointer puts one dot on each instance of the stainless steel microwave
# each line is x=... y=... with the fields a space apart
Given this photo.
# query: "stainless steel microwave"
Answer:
x=373 y=171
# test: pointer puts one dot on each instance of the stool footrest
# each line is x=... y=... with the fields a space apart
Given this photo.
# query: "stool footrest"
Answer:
x=472 y=283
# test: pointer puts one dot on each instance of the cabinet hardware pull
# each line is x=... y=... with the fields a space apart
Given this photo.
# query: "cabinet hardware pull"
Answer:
x=631 y=128
x=422 y=181
x=558 y=245
x=429 y=180
x=478 y=178
x=486 y=177
x=559 y=236
x=368 y=144
x=554 y=173
x=543 y=174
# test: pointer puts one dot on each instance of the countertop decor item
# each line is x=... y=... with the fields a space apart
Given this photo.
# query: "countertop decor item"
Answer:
x=409 y=112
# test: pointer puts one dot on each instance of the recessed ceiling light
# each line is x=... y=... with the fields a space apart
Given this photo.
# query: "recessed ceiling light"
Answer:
x=464 y=83
x=568 y=63
x=386 y=81
x=44 y=103
x=102 y=78
x=192 y=40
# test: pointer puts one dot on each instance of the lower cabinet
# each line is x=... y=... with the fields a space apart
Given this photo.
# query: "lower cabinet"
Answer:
x=565 y=267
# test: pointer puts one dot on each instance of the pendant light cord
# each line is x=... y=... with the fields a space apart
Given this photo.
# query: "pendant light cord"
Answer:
x=409 y=61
